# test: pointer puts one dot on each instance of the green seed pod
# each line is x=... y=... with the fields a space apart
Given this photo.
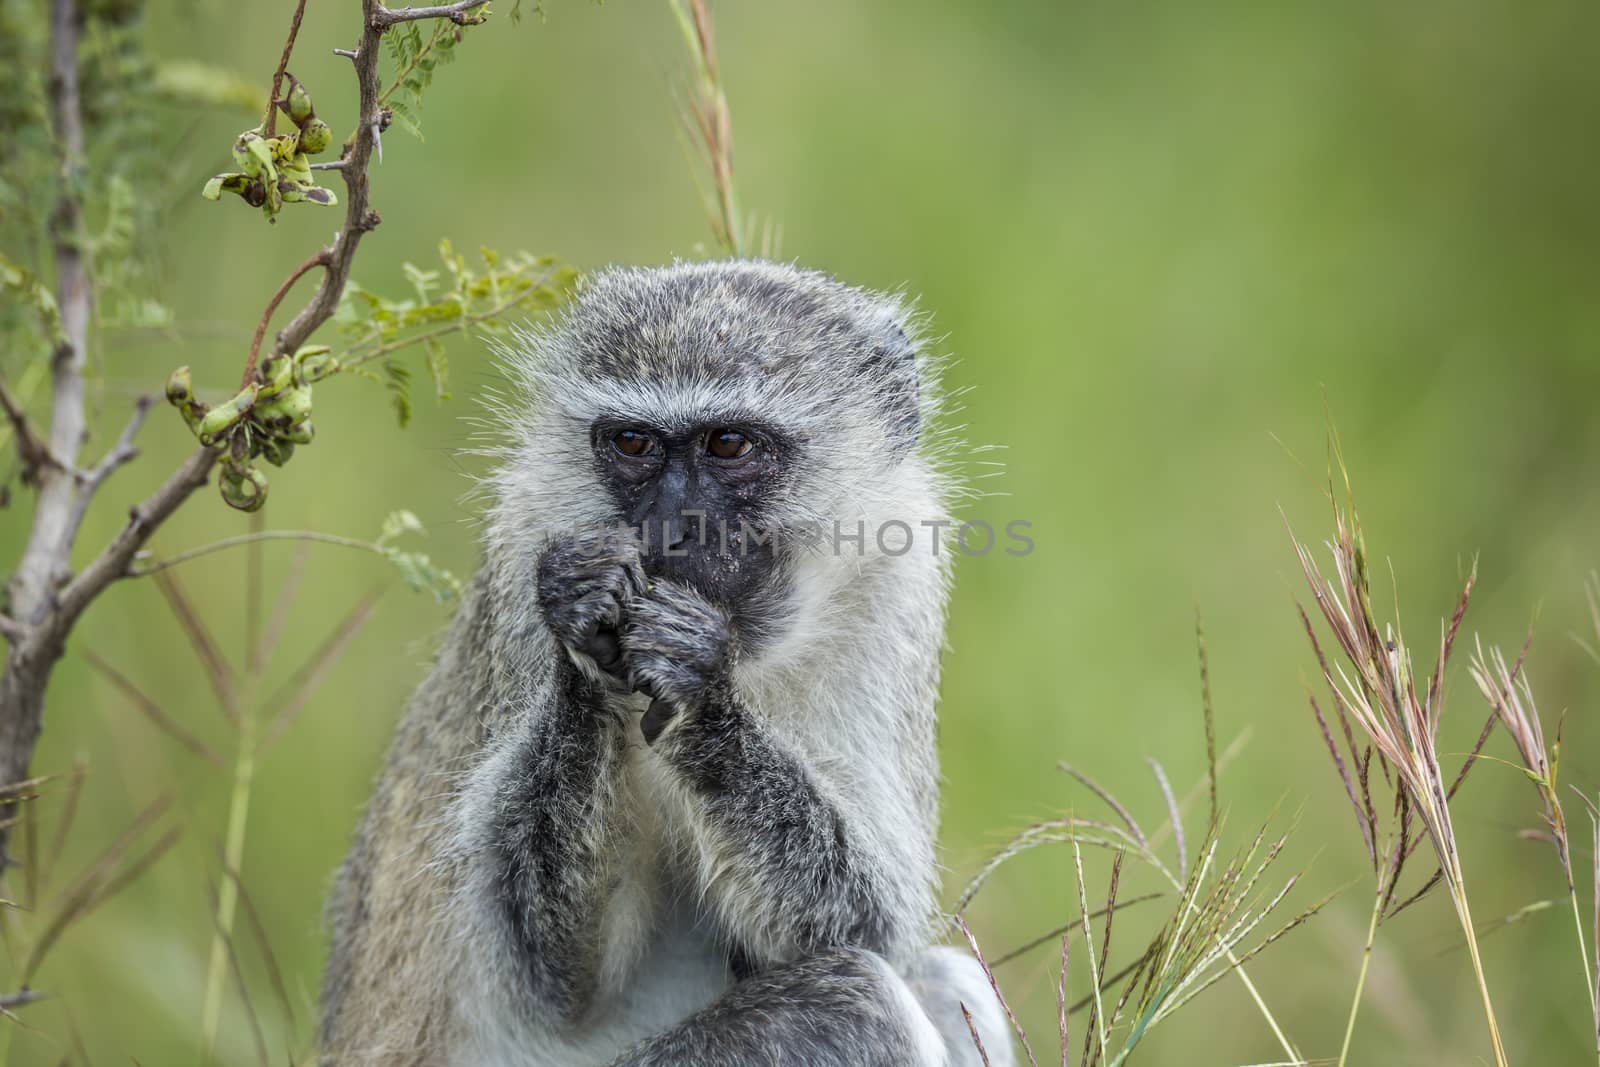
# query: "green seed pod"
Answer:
x=277 y=450
x=274 y=201
x=313 y=363
x=315 y=136
x=225 y=183
x=180 y=394
x=297 y=105
x=303 y=433
x=180 y=387
x=242 y=486
x=289 y=408
x=224 y=417
x=297 y=169
x=253 y=153
x=278 y=371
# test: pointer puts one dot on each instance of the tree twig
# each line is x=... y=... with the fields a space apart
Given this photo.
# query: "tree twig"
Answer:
x=458 y=13
x=270 y=120
x=319 y=259
x=44 y=560
x=90 y=481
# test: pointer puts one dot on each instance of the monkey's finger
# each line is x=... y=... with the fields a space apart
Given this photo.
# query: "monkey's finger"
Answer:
x=655 y=719
x=635 y=584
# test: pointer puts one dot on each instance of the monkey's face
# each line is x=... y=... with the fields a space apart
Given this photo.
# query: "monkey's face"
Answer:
x=700 y=499
x=736 y=415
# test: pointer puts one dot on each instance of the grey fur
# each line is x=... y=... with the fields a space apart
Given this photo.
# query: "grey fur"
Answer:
x=535 y=883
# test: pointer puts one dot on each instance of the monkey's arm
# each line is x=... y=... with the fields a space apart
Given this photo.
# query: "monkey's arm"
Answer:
x=552 y=849
x=545 y=808
x=788 y=866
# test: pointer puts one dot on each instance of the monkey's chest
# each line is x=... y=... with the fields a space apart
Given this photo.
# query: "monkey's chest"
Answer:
x=664 y=953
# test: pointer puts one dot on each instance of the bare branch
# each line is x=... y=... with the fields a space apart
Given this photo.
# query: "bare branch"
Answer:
x=143 y=519
x=458 y=13
x=90 y=481
x=44 y=560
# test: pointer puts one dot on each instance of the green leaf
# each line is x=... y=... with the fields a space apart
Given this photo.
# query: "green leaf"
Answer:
x=399 y=381
x=439 y=367
x=397 y=523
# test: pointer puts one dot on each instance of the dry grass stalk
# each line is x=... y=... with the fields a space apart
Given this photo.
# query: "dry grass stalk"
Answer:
x=709 y=121
x=1096 y=1027
x=1061 y=997
x=972 y=943
x=1376 y=690
x=972 y=1028
x=1510 y=695
x=1066 y=928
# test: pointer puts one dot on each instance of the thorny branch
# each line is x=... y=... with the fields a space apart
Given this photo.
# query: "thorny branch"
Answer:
x=44 y=598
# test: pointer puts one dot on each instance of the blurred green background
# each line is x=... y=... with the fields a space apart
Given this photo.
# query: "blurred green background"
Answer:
x=1164 y=243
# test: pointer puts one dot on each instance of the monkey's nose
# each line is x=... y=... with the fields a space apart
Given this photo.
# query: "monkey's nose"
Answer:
x=675 y=533
x=678 y=532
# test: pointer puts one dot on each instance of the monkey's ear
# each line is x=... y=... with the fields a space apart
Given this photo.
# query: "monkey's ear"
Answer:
x=889 y=369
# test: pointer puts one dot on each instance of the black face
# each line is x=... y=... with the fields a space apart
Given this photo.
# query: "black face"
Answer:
x=699 y=500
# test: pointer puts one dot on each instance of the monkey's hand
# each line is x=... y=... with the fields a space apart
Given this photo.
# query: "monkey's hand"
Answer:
x=678 y=648
x=586 y=582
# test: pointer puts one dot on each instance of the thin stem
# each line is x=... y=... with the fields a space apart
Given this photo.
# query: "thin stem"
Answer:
x=228 y=893
x=1583 y=951
x=1237 y=966
x=249 y=539
x=712 y=120
x=320 y=259
x=270 y=119
x=1464 y=913
x=1266 y=1013
x=1088 y=944
x=1361 y=978
x=348 y=360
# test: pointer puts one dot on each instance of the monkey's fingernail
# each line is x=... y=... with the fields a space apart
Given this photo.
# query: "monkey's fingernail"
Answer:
x=656 y=717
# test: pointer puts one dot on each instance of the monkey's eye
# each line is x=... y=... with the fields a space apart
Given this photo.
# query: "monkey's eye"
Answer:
x=727 y=444
x=633 y=442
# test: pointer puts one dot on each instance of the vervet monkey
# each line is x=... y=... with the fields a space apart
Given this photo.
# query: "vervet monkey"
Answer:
x=669 y=795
